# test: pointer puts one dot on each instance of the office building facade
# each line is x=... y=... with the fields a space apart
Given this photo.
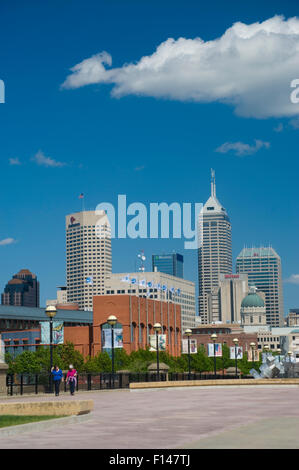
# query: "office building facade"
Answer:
x=214 y=255
x=88 y=256
x=263 y=267
x=157 y=286
x=22 y=290
x=172 y=264
x=232 y=290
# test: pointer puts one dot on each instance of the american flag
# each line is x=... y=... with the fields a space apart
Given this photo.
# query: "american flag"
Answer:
x=81 y=196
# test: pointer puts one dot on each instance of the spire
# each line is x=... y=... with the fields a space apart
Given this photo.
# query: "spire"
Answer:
x=213 y=183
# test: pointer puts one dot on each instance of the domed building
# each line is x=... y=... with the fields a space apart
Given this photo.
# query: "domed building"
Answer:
x=253 y=310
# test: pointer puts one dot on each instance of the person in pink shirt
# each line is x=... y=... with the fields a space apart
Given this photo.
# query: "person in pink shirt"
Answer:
x=71 y=378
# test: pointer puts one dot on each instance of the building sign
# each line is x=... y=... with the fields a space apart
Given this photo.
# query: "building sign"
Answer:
x=231 y=276
x=232 y=351
x=107 y=338
x=193 y=346
x=161 y=342
x=218 y=349
x=58 y=332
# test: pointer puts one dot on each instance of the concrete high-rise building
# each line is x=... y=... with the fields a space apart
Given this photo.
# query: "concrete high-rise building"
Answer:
x=88 y=256
x=214 y=255
x=159 y=286
x=232 y=290
x=22 y=290
x=172 y=264
x=263 y=266
x=61 y=297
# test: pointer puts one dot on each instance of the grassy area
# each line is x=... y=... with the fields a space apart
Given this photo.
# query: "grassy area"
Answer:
x=11 y=420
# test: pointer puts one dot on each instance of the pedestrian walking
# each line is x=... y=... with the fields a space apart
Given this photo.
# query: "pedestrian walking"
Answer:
x=71 y=378
x=57 y=377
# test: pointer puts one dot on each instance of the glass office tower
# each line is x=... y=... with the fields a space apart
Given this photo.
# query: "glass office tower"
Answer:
x=263 y=266
x=172 y=264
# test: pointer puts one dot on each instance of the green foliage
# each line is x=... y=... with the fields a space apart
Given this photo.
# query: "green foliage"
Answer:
x=137 y=361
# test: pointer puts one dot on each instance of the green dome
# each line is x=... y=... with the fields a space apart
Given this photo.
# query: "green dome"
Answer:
x=252 y=300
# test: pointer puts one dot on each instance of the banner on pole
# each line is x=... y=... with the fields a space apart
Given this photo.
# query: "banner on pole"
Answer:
x=58 y=332
x=193 y=346
x=107 y=338
x=161 y=342
x=233 y=352
x=218 y=349
x=255 y=357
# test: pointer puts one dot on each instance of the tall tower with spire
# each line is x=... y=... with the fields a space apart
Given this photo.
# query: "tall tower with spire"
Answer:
x=214 y=255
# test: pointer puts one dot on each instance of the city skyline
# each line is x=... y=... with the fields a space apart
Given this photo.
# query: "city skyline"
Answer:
x=60 y=141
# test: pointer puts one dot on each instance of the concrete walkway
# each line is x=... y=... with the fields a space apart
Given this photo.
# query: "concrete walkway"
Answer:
x=228 y=417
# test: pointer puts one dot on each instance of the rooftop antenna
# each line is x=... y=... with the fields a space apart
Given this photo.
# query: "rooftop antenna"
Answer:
x=213 y=183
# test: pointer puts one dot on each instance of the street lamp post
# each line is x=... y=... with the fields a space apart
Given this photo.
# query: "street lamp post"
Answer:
x=214 y=338
x=236 y=342
x=51 y=312
x=278 y=351
x=266 y=348
x=188 y=333
x=112 y=320
x=252 y=345
x=157 y=328
x=290 y=355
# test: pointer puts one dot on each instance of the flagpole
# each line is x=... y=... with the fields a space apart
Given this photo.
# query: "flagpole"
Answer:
x=82 y=198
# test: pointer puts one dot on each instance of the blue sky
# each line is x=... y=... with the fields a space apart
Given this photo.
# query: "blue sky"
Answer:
x=150 y=147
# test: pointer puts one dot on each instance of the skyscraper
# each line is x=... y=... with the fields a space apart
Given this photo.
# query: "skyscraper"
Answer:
x=214 y=255
x=172 y=264
x=88 y=256
x=263 y=266
x=22 y=290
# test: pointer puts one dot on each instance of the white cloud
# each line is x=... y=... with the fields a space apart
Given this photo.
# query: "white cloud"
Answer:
x=295 y=123
x=14 y=161
x=249 y=67
x=293 y=279
x=240 y=149
x=40 y=159
x=7 y=241
x=279 y=127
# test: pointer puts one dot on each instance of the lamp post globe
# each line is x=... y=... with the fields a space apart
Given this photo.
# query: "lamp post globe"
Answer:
x=51 y=311
x=157 y=328
x=112 y=320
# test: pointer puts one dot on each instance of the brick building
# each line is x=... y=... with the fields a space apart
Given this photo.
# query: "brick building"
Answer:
x=136 y=316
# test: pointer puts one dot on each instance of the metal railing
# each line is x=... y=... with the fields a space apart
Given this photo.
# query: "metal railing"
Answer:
x=20 y=384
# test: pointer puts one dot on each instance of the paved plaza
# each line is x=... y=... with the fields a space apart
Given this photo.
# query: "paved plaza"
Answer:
x=223 y=417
